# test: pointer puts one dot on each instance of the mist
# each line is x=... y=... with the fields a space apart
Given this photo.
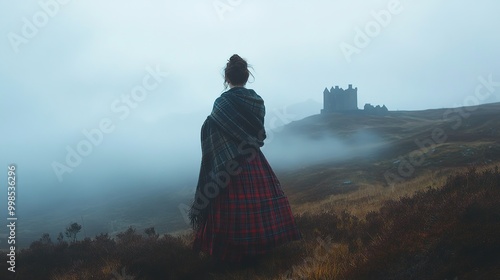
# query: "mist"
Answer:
x=141 y=77
x=289 y=148
x=140 y=174
x=298 y=151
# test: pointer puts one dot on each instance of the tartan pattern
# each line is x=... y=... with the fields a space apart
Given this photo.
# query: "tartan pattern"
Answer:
x=251 y=217
x=237 y=120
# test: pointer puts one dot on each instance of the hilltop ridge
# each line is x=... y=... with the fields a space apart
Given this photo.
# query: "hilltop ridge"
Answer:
x=404 y=146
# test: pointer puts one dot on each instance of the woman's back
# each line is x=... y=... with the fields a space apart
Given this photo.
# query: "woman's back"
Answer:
x=239 y=209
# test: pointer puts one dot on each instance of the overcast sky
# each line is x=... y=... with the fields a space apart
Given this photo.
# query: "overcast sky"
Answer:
x=72 y=66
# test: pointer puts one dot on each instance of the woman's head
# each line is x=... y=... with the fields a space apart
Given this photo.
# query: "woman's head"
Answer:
x=236 y=72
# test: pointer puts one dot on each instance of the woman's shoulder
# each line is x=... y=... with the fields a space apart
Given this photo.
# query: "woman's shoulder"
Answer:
x=240 y=91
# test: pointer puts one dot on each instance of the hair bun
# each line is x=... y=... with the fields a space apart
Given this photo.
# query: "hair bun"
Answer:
x=236 y=59
x=236 y=71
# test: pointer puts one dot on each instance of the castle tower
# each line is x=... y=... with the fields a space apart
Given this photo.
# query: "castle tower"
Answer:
x=340 y=100
x=327 y=101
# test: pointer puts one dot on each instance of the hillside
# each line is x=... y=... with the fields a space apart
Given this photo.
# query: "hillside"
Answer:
x=404 y=148
x=370 y=202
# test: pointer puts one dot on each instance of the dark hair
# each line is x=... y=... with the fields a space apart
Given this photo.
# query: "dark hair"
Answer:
x=236 y=71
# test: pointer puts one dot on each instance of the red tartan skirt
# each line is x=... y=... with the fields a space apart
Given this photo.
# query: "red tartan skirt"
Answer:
x=250 y=217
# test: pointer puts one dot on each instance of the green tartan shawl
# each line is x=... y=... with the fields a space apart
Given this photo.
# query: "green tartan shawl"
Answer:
x=234 y=129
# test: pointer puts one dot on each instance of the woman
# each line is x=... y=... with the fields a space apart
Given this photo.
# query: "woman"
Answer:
x=239 y=209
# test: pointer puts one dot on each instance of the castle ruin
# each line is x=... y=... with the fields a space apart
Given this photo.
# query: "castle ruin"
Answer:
x=340 y=100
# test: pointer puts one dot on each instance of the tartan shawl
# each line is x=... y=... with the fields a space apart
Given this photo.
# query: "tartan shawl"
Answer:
x=236 y=122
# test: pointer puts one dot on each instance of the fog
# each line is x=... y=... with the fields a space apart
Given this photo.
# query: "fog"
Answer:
x=102 y=103
x=292 y=150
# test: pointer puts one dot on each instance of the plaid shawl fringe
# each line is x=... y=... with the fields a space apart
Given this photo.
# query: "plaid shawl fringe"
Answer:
x=234 y=129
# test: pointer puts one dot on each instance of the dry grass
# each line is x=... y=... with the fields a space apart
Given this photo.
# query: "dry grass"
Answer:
x=442 y=223
x=433 y=233
x=322 y=263
x=370 y=197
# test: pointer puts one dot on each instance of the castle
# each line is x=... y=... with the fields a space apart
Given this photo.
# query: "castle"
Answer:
x=340 y=100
